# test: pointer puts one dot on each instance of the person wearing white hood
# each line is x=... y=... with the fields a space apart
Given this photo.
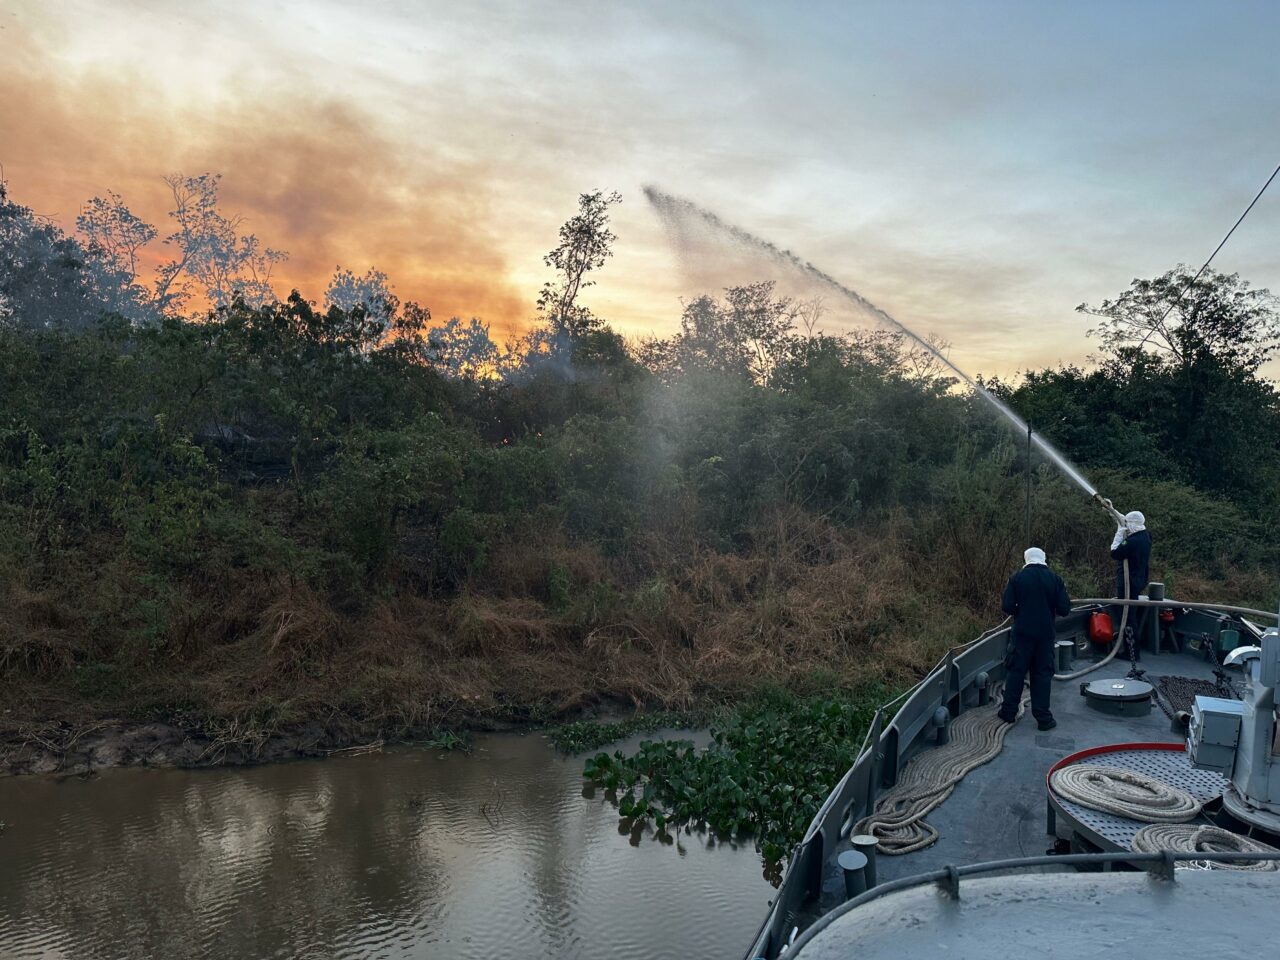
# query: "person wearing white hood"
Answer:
x=1132 y=542
x=1034 y=596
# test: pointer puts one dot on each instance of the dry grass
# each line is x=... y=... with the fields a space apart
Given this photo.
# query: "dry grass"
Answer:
x=34 y=635
x=557 y=627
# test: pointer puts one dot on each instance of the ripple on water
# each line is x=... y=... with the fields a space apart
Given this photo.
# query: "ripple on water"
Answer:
x=401 y=854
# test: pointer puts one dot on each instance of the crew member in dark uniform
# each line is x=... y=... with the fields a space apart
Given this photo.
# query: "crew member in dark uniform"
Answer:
x=1132 y=542
x=1034 y=597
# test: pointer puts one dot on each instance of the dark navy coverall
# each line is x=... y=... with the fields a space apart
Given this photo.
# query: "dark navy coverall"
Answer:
x=1034 y=596
x=1136 y=548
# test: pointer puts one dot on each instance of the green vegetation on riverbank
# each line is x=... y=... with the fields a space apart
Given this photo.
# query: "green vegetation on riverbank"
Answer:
x=578 y=736
x=282 y=514
x=770 y=764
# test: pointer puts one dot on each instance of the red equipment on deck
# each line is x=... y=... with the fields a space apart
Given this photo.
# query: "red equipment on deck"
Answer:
x=1100 y=629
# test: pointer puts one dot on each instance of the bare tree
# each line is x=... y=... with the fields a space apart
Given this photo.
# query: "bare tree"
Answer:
x=924 y=364
x=808 y=314
x=214 y=260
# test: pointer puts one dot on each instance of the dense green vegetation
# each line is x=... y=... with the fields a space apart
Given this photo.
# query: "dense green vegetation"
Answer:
x=768 y=768
x=1178 y=393
x=280 y=513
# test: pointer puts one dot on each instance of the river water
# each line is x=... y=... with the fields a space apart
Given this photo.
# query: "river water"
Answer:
x=403 y=853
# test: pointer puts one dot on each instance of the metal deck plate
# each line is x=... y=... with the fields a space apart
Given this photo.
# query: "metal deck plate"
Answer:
x=1122 y=697
x=1168 y=766
x=1122 y=689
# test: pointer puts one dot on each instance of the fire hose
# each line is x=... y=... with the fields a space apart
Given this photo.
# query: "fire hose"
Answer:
x=1124 y=613
x=898 y=823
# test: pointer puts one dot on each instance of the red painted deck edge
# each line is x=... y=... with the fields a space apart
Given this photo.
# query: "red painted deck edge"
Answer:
x=1109 y=748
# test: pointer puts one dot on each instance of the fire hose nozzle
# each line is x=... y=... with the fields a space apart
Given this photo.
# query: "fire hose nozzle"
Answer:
x=1109 y=508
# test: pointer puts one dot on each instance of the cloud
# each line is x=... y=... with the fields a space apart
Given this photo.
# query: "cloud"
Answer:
x=317 y=177
x=975 y=175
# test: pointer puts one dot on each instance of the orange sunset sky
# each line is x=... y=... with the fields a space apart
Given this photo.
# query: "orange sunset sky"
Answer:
x=975 y=169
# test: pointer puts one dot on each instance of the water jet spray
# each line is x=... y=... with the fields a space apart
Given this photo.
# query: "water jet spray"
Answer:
x=675 y=211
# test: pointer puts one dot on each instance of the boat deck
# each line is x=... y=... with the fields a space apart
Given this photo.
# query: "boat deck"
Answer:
x=999 y=810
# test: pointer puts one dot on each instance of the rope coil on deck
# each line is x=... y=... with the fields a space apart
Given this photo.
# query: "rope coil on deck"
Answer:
x=977 y=736
x=1125 y=793
x=1190 y=838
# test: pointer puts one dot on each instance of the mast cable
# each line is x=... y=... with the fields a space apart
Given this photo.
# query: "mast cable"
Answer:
x=1205 y=266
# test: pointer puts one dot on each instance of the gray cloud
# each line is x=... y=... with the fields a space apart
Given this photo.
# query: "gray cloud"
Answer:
x=976 y=169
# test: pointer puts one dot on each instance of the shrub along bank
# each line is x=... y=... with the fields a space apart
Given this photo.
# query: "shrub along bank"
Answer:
x=275 y=519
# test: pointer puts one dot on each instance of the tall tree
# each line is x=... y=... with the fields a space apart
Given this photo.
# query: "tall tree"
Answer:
x=1177 y=368
x=366 y=299
x=462 y=351
x=48 y=280
x=114 y=237
x=586 y=242
x=1216 y=317
x=115 y=233
x=748 y=333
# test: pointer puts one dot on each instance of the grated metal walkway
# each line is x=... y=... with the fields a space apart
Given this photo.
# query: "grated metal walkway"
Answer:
x=1167 y=766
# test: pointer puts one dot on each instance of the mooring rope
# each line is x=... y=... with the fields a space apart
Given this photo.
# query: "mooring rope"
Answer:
x=1125 y=793
x=1190 y=838
x=977 y=736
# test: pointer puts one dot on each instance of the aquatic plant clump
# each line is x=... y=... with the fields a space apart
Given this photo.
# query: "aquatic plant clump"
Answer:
x=582 y=735
x=449 y=740
x=764 y=774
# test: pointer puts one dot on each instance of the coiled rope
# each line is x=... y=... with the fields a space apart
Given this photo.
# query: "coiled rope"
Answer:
x=898 y=823
x=1189 y=838
x=1126 y=793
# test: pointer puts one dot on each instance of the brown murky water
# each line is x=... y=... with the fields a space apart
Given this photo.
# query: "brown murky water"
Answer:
x=407 y=853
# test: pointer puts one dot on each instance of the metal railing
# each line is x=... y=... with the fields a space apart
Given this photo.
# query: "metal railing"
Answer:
x=954 y=683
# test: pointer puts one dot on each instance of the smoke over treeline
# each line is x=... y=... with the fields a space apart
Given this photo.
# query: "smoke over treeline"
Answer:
x=318 y=176
x=360 y=516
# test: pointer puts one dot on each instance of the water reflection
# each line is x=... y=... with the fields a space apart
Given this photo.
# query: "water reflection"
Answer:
x=402 y=854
